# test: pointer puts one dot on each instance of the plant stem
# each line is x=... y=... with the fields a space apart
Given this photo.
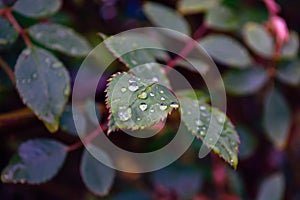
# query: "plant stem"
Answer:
x=88 y=138
x=189 y=46
x=7 y=70
x=16 y=25
x=10 y=119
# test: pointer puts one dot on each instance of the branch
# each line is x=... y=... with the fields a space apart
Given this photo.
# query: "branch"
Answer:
x=88 y=139
x=189 y=46
x=16 y=25
x=7 y=70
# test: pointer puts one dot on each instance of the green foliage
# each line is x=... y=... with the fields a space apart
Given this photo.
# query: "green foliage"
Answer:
x=272 y=188
x=96 y=176
x=165 y=17
x=289 y=73
x=217 y=46
x=8 y=34
x=43 y=84
x=37 y=8
x=196 y=6
x=137 y=103
x=245 y=81
x=197 y=117
x=277 y=118
x=221 y=18
x=59 y=38
x=259 y=39
x=37 y=161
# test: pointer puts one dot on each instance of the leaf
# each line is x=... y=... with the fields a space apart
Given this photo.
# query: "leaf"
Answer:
x=196 y=116
x=277 y=118
x=185 y=181
x=196 y=6
x=43 y=84
x=193 y=64
x=289 y=73
x=37 y=161
x=166 y=17
x=135 y=103
x=245 y=81
x=259 y=39
x=226 y=50
x=248 y=142
x=221 y=18
x=8 y=34
x=291 y=48
x=97 y=177
x=153 y=72
x=37 y=8
x=69 y=118
x=60 y=38
x=272 y=188
x=130 y=49
x=199 y=95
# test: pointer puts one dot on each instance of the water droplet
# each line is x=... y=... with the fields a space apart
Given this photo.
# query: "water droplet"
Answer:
x=155 y=79
x=131 y=81
x=143 y=106
x=161 y=91
x=202 y=108
x=199 y=122
x=143 y=95
x=133 y=87
x=124 y=113
x=47 y=60
x=152 y=111
x=139 y=119
x=123 y=89
x=74 y=51
x=56 y=65
x=163 y=106
x=174 y=105
x=202 y=133
x=151 y=94
x=24 y=81
x=134 y=62
x=162 y=98
x=34 y=75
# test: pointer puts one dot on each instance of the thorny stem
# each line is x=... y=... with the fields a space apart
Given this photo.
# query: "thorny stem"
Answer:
x=88 y=138
x=7 y=70
x=189 y=46
x=16 y=25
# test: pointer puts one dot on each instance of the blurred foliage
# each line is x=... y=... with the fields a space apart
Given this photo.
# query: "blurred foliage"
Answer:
x=42 y=45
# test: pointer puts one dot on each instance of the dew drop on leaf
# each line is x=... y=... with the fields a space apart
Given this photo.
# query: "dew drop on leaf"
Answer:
x=143 y=106
x=124 y=113
x=163 y=106
x=133 y=87
x=143 y=95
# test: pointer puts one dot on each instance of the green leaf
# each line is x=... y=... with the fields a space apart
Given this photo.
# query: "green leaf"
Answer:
x=185 y=181
x=196 y=116
x=97 y=177
x=221 y=18
x=37 y=8
x=69 y=118
x=43 y=84
x=291 y=48
x=277 y=118
x=8 y=34
x=272 y=188
x=166 y=17
x=226 y=50
x=194 y=94
x=37 y=161
x=136 y=103
x=60 y=38
x=193 y=64
x=248 y=142
x=289 y=73
x=196 y=6
x=120 y=45
x=245 y=81
x=259 y=39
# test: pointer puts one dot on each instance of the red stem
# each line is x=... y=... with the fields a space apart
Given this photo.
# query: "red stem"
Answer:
x=189 y=46
x=16 y=25
x=88 y=138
